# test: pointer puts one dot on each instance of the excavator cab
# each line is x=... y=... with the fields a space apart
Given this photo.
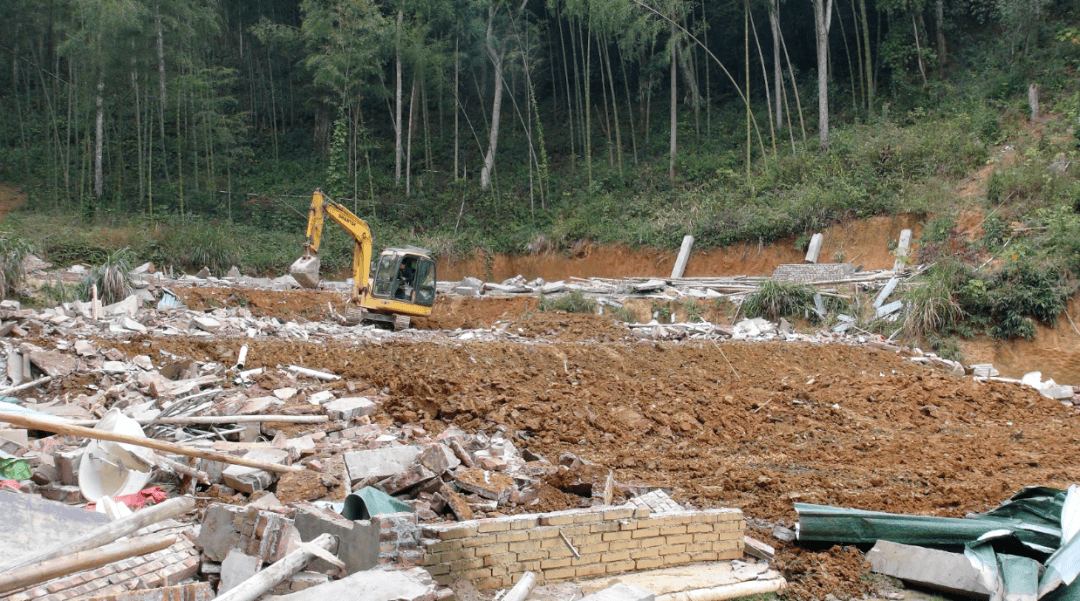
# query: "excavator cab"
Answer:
x=405 y=275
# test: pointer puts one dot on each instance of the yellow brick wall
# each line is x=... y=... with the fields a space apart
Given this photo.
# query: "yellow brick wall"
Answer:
x=495 y=552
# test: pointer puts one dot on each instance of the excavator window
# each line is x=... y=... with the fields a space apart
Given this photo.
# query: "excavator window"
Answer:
x=406 y=279
x=384 y=277
x=425 y=282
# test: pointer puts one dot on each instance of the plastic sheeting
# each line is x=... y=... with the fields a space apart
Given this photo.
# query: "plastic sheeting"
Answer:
x=1025 y=549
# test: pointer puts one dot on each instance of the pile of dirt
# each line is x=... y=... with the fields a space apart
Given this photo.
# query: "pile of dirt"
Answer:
x=570 y=327
x=289 y=304
x=783 y=423
x=453 y=312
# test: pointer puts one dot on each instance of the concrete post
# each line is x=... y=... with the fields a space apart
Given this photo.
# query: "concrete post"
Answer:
x=902 y=250
x=684 y=256
x=815 y=248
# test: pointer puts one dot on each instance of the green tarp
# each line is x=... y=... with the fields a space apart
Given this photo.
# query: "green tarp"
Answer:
x=1025 y=549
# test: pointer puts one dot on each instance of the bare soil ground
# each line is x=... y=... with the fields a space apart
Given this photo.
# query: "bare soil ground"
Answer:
x=782 y=423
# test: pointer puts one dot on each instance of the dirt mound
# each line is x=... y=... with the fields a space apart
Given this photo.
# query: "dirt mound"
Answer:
x=570 y=327
x=288 y=304
x=827 y=424
x=453 y=312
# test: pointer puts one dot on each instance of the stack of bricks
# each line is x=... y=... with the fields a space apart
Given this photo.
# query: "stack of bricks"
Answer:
x=494 y=553
x=166 y=567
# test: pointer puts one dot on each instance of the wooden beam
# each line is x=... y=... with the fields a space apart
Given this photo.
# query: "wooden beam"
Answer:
x=36 y=423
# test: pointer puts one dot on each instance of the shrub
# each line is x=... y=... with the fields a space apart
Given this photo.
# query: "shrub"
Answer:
x=574 y=302
x=1008 y=302
x=12 y=274
x=931 y=306
x=773 y=300
x=112 y=278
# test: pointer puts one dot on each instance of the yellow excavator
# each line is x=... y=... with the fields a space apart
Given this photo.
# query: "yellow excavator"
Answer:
x=404 y=282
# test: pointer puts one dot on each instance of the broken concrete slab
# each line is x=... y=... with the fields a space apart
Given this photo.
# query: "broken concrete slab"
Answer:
x=236 y=568
x=379 y=463
x=941 y=570
x=402 y=481
x=52 y=363
x=131 y=324
x=251 y=479
x=358 y=541
x=621 y=592
x=489 y=485
x=372 y=585
x=32 y=523
x=438 y=458
x=348 y=408
x=206 y=323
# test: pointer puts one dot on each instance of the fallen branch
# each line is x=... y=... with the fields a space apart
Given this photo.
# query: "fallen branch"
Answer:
x=108 y=533
x=35 y=423
x=184 y=470
x=83 y=560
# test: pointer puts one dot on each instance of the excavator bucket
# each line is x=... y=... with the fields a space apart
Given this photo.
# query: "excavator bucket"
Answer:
x=305 y=271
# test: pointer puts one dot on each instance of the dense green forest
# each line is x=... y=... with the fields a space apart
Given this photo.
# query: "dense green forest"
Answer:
x=509 y=126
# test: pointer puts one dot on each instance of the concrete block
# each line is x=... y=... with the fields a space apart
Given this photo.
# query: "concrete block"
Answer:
x=348 y=408
x=941 y=570
x=52 y=363
x=416 y=474
x=438 y=458
x=358 y=541
x=371 y=585
x=206 y=323
x=250 y=479
x=237 y=568
x=379 y=463
x=489 y=485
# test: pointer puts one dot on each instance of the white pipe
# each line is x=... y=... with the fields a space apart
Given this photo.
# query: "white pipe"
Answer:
x=728 y=591
x=321 y=375
x=522 y=589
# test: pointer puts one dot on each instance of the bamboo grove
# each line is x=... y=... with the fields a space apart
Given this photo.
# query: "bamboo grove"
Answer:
x=145 y=107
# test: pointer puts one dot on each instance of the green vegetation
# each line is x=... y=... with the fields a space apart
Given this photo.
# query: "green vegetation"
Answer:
x=773 y=300
x=571 y=302
x=12 y=274
x=112 y=278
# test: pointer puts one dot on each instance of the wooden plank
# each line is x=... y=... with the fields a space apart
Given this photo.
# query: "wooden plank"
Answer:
x=35 y=423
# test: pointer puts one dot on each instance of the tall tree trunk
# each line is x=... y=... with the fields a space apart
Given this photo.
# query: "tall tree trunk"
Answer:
x=408 y=141
x=99 y=133
x=457 y=109
x=765 y=79
x=614 y=106
x=569 y=98
x=496 y=57
x=822 y=21
x=939 y=28
x=674 y=101
x=138 y=126
x=918 y=51
x=794 y=87
x=867 y=62
x=778 y=68
x=163 y=96
x=397 y=106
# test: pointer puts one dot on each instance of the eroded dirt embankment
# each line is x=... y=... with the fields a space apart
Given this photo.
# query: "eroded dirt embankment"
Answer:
x=862 y=242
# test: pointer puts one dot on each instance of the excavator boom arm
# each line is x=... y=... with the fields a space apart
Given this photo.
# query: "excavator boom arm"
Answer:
x=322 y=207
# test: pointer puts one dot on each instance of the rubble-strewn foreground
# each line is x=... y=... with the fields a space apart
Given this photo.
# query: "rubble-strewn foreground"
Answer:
x=566 y=446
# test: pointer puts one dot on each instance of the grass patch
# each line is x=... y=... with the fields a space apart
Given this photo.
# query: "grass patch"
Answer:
x=572 y=302
x=12 y=275
x=112 y=278
x=773 y=300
